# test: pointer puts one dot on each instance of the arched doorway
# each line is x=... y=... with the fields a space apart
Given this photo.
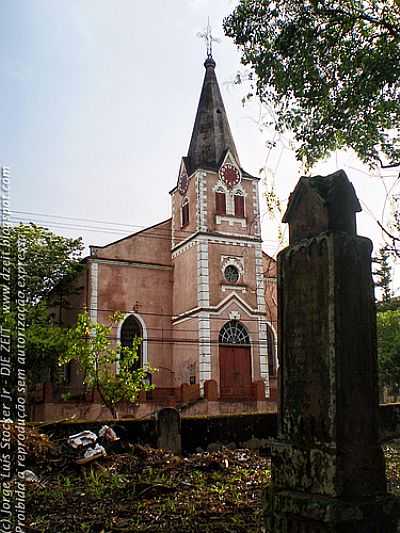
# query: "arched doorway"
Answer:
x=130 y=329
x=234 y=362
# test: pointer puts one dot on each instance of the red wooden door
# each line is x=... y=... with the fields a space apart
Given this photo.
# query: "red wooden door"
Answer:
x=235 y=372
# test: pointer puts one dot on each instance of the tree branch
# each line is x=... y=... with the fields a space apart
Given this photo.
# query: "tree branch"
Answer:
x=394 y=31
x=389 y=165
x=394 y=239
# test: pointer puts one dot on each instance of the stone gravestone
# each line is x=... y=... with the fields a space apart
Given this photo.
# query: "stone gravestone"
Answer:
x=328 y=471
x=169 y=430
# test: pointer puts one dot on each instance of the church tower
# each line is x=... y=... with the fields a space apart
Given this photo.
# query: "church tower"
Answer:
x=222 y=329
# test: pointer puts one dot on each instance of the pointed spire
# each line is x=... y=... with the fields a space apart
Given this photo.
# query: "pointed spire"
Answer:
x=211 y=135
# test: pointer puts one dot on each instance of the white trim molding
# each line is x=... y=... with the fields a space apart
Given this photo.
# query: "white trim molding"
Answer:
x=260 y=288
x=263 y=353
x=93 y=290
x=201 y=193
x=203 y=290
x=204 y=349
x=145 y=359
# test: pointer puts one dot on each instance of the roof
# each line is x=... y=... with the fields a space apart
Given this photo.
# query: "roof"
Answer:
x=211 y=135
x=135 y=234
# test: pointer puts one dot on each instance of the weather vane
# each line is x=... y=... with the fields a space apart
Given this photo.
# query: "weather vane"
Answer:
x=207 y=36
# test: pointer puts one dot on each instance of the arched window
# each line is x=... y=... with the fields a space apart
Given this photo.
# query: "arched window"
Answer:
x=233 y=332
x=131 y=329
x=239 y=204
x=271 y=347
x=185 y=212
x=220 y=201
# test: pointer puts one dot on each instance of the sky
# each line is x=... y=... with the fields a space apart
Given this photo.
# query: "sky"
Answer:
x=98 y=100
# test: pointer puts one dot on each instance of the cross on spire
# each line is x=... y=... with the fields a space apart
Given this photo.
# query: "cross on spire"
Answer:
x=209 y=39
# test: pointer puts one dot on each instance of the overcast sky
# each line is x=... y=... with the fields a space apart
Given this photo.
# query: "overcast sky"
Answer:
x=98 y=99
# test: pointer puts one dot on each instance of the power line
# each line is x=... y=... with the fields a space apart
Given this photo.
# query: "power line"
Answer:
x=147 y=313
x=155 y=235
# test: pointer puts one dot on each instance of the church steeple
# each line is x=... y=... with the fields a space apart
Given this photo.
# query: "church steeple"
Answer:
x=211 y=136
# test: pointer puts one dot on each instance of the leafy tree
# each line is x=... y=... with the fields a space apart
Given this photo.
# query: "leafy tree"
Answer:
x=49 y=259
x=383 y=274
x=388 y=327
x=330 y=70
x=392 y=305
x=49 y=262
x=90 y=343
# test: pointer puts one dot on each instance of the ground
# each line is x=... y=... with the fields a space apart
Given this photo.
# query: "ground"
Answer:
x=147 y=490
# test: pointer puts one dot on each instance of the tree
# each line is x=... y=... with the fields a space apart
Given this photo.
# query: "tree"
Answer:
x=49 y=262
x=392 y=305
x=91 y=344
x=330 y=70
x=383 y=274
x=49 y=259
x=388 y=328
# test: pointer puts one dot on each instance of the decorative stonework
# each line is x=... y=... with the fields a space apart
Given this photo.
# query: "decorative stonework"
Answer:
x=256 y=210
x=260 y=290
x=204 y=349
x=220 y=187
x=173 y=221
x=184 y=248
x=203 y=290
x=183 y=179
x=263 y=353
x=201 y=193
x=231 y=220
x=235 y=261
x=238 y=288
x=93 y=290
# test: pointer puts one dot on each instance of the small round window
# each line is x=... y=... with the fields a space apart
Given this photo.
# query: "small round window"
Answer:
x=231 y=274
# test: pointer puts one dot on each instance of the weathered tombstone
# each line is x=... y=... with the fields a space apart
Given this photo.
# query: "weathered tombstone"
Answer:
x=328 y=471
x=169 y=430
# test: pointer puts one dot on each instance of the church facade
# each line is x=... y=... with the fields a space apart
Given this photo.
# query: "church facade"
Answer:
x=197 y=288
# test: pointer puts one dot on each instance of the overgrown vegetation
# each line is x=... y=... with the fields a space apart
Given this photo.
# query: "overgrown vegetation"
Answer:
x=107 y=366
x=148 y=490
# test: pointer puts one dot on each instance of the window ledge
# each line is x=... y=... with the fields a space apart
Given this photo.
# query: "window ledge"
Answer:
x=231 y=220
x=239 y=288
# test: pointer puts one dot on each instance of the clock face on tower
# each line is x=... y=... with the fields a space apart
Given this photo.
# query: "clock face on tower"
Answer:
x=229 y=174
x=183 y=182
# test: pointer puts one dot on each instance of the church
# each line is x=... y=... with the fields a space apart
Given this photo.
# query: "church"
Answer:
x=197 y=288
